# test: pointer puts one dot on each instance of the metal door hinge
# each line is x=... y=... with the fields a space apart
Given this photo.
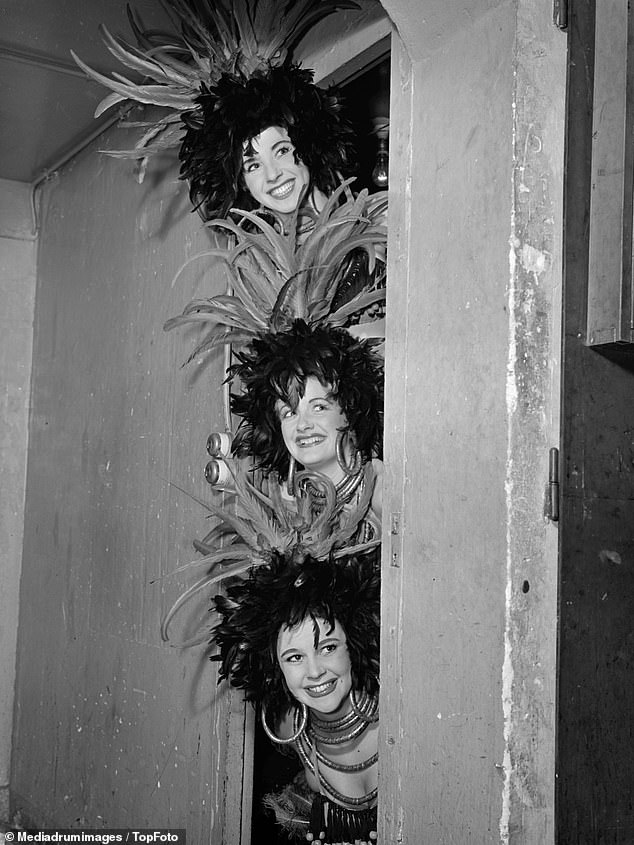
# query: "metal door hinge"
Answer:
x=396 y=539
x=560 y=14
x=552 y=508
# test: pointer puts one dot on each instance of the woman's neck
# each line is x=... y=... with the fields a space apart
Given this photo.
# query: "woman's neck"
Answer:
x=343 y=710
x=310 y=206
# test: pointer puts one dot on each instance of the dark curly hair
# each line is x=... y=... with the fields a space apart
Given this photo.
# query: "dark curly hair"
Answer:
x=276 y=365
x=283 y=594
x=236 y=109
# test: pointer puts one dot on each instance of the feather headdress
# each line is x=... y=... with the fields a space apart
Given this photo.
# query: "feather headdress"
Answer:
x=261 y=527
x=224 y=75
x=278 y=278
x=275 y=366
x=283 y=594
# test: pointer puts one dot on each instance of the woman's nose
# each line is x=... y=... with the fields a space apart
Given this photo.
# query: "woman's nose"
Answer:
x=271 y=171
x=314 y=668
x=304 y=419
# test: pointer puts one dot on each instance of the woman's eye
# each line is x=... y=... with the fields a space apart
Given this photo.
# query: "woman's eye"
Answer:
x=328 y=649
x=294 y=658
x=282 y=151
x=251 y=166
x=286 y=413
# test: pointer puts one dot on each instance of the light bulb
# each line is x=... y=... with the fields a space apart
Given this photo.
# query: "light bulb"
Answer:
x=380 y=174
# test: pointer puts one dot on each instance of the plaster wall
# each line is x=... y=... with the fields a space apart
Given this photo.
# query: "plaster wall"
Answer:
x=472 y=409
x=112 y=727
x=17 y=286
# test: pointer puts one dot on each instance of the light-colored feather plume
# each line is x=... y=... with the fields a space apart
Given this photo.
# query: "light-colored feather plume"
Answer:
x=209 y=38
x=261 y=523
x=276 y=280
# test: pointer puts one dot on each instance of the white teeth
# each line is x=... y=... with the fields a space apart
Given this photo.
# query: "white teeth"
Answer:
x=282 y=191
x=321 y=688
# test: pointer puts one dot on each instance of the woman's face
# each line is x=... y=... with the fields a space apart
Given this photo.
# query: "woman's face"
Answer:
x=319 y=676
x=271 y=174
x=310 y=429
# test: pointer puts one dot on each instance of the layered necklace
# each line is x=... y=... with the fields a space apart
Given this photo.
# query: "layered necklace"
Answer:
x=335 y=733
x=344 y=490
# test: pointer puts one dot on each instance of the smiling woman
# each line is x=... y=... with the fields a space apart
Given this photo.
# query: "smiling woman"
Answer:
x=302 y=639
x=226 y=77
x=273 y=174
x=315 y=663
x=249 y=114
x=312 y=400
x=312 y=427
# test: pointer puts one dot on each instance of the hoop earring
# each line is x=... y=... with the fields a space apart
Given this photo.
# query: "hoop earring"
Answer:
x=296 y=735
x=341 y=456
x=290 y=478
x=369 y=713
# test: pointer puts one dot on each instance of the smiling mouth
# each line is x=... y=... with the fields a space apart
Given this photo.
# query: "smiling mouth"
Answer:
x=321 y=689
x=305 y=442
x=282 y=191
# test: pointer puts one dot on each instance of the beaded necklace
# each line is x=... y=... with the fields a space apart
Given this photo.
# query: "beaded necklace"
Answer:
x=328 y=733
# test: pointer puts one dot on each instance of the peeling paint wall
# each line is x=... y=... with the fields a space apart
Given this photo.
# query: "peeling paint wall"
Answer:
x=533 y=414
x=471 y=413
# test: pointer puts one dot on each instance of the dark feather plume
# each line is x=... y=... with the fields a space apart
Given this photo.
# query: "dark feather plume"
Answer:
x=275 y=365
x=284 y=593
